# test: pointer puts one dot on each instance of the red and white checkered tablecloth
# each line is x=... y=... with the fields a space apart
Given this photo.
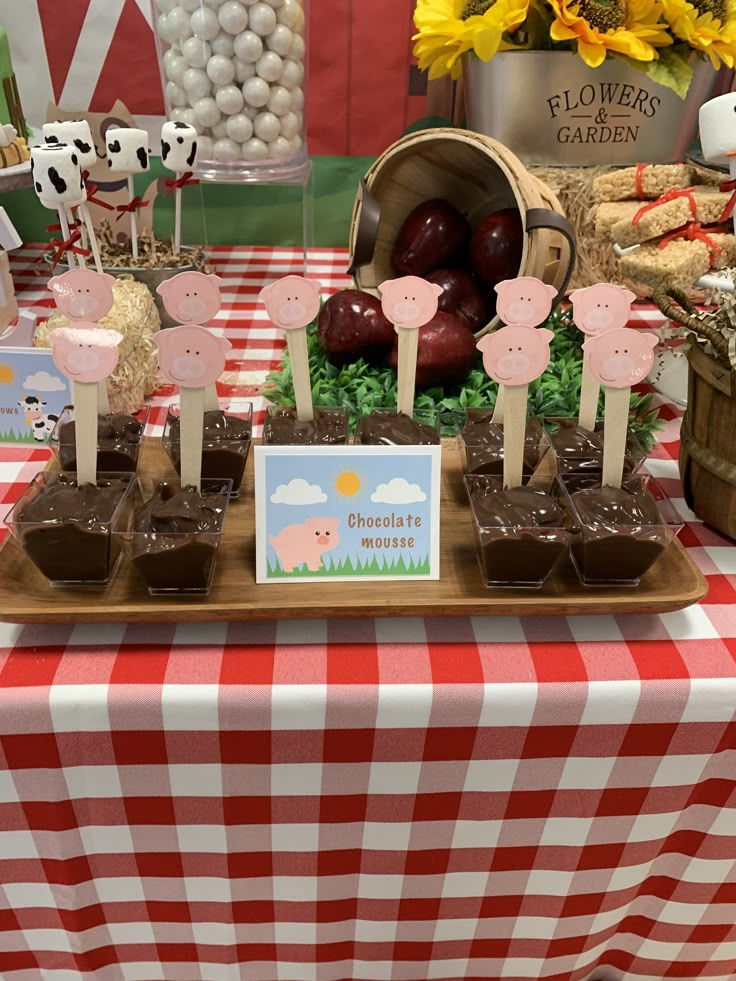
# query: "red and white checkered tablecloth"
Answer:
x=387 y=800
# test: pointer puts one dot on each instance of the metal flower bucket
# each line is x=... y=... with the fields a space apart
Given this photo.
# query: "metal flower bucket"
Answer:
x=550 y=109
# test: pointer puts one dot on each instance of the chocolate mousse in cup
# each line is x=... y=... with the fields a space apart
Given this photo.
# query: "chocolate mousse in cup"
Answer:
x=226 y=440
x=282 y=427
x=172 y=535
x=619 y=532
x=520 y=533
x=580 y=451
x=119 y=439
x=66 y=529
x=481 y=442
x=388 y=427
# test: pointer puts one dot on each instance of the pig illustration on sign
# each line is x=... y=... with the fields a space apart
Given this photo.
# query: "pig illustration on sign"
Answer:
x=85 y=352
x=292 y=302
x=306 y=543
x=601 y=307
x=191 y=356
x=516 y=355
x=524 y=300
x=83 y=294
x=409 y=302
x=191 y=297
x=621 y=357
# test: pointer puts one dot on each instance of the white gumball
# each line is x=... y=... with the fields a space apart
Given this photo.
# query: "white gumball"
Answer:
x=256 y=92
x=224 y=44
x=254 y=149
x=250 y=112
x=178 y=22
x=262 y=19
x=196 y=52
x=279 y=149
x=166 y=32
x=205 y=24
x=299 y=26
x=189 y=5
x=195 y=82
x=243 y=71
x=189 y=117
x=300 y=121
x=289 y=125
x=289 y=14
x=176 y=96
x=248 y=46
x=297 y=50
x=269 y=66
x=229 y=100
x=297 y=98
x=174 y=66
x=214 y=3
x=233 y=17
x=280 y=40
x=290 y=75
x=219 y=131
x=165 y=5
x=226 y=150
x=205 y=148
x=220 y=70
x=280 y=100
x=207 y=112
x=275 y=3
x=239 y=128
x=176 y=115
x=295 y=144
x=266 y=126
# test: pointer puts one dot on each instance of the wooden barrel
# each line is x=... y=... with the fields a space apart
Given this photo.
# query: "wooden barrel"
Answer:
x=708 y=448
x=475 y=174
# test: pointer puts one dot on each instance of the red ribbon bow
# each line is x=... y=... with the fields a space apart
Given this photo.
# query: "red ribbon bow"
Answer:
x=68 y=246
x=728 y=210
x=92 y=189
x=184 y=180
x=132 y=207
x=695 y=232
x=671 y=195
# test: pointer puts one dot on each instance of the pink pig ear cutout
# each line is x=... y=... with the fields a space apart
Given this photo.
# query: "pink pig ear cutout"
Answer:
x=651 y=339
x=629 y=294
x=224 y=343
x=266 y=291
x=385 y=286
x=591 y=342
x=436 y=289
x=163 y=288
x=544 y=333
x=551 y=290
x=485 y=342
x=107 y=277
x=579 y=292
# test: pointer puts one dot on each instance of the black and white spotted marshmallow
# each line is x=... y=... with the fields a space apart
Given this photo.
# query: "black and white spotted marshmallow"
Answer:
x=76 y=133
x=178 y=147
x=57 y=175
x=127 y=150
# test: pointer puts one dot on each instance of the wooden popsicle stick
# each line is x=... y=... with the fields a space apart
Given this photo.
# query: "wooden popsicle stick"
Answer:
x=614 y=435
x=296 y=341
x=133 y=219
x=211 y=399
x=80 y=258
x=85 y=419
x=92 y=237
x=589 y=391
x=191 y=407
x=177 y=219
x=103 y=399
x=70 y=257
x=514 y=431
x=407 y=369
x=498 y=410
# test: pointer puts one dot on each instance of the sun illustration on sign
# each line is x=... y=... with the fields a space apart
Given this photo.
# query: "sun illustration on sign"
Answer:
x=348 y=482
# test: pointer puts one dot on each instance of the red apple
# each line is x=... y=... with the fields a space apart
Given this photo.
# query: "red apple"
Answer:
x=447 y=352
x=351 y=325
x=464 y=297
x=496 y=246
x=435 y=234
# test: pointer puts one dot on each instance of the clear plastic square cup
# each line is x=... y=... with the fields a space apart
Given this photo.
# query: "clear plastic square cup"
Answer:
x=385 y=426
x=580 y=451
x=481 y=442
x=282 y=427
x=618 y=534
x=226 y=441
x=119 y=440
x=520 y=534
x=66 y=530
x=172 y=535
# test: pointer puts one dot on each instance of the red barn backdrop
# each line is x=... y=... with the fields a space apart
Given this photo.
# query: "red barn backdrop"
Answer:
x=84 y=54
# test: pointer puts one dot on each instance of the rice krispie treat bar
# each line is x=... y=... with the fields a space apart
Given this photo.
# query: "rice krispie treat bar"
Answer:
x=645 y=182
x=658 y=219
x=682 y=262
x=611 y=212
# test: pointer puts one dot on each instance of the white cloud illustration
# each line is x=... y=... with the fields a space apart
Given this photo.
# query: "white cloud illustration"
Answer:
x=298 y=491
x=398 y=491
x=42 y=381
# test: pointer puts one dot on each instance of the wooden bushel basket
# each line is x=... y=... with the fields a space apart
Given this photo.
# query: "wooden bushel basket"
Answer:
x=475 y=174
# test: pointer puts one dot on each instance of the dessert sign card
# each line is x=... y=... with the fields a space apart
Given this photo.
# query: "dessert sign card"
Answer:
x=343 y=513
x=32 y=395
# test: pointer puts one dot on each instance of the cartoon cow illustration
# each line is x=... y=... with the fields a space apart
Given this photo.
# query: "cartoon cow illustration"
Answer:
x=42 y=423
x=305 y=543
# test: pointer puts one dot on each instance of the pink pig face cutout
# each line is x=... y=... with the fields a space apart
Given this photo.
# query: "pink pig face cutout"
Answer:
x=524 y=300
x=83 y=294
x=85 y=352
x=191 y=297
x=409 y=302
x=517 y=354
x=190 y=356
x=292 y=302
x=620 y=357
x=601 y=307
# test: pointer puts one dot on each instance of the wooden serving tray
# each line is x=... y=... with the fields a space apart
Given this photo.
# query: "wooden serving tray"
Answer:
x=673 y=582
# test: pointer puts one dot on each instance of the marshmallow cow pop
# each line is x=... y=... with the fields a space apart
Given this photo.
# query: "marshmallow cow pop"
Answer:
x=618 y=359
x=595 y=310
x=87 y=354
x=128 y=153
x=408 y=303
x=292 y=303
x=57 y=181
x=515 y=356
x=178 y=153
x=192 y=358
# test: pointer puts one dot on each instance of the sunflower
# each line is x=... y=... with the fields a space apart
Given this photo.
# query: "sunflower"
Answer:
x=447 y=29
x=707 y=25
x=627 y=27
